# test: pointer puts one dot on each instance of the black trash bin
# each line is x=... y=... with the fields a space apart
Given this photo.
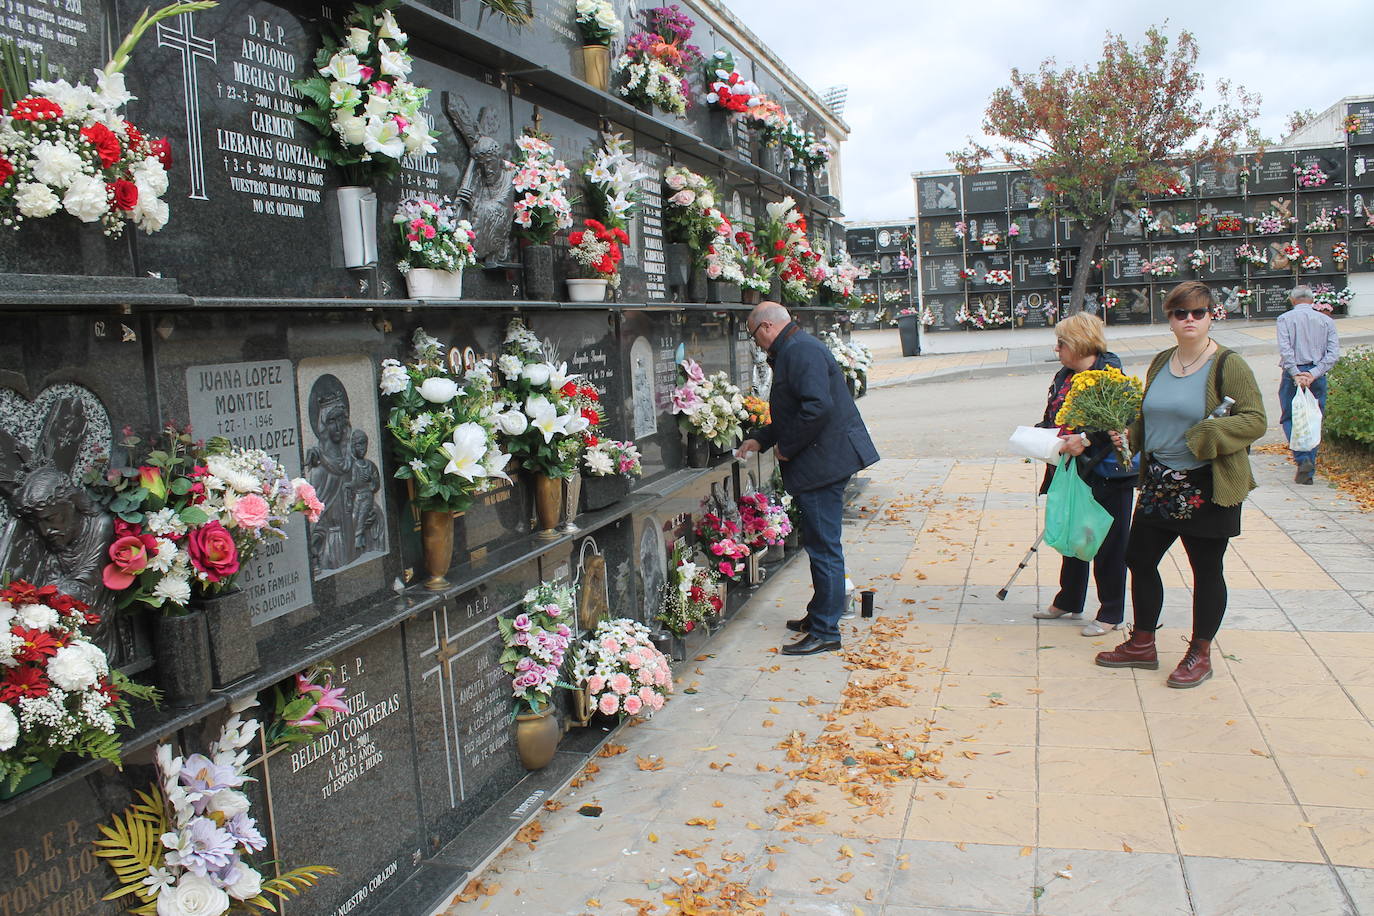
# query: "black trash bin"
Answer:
x=909 y=326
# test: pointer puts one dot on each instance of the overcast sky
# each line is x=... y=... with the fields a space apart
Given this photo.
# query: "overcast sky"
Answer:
x=920 y=73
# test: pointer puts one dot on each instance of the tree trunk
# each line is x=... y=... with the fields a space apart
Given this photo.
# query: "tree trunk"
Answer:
x=1083 y=272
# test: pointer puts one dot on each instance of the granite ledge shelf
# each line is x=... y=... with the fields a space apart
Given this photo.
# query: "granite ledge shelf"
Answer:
x=129 y=304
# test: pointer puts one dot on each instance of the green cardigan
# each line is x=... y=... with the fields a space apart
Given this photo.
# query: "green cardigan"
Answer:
x=1224 y=441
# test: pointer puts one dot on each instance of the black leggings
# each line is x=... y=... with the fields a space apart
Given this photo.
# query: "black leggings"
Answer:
x=1147 y=547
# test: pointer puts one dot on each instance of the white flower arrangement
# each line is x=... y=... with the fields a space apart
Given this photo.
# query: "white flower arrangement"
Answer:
x=854 y=358
x=598 y=22
x=607 y=457
x=622 y=670
x=366 y=110
x=1197 y=259
x=536 y=410
x=997 y=277
x=613 y=177
x=693 y=594
x=710 y=406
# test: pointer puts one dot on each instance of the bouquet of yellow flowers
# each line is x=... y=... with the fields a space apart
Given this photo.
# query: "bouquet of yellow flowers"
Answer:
x=759 y=414
x=1102 y=399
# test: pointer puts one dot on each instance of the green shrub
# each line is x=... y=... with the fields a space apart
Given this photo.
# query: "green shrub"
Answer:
x=1350 y=398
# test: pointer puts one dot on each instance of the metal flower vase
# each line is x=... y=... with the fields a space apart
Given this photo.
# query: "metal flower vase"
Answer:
x=183 y=659
x=548 y=505
x=538 y=261
x=358 y=225
x=536 y=738
x=596 y=66
x=436 y=540
x=572 y=497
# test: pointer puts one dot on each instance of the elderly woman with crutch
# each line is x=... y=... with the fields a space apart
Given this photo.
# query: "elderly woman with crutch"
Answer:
x=1080 y=342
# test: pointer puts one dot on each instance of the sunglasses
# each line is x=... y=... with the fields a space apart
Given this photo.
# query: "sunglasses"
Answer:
x=1198 y=314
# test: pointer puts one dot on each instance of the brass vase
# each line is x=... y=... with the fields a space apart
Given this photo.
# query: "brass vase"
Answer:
x=436 y=535
x=548 y=506
x=582 y=708
x=536 y=738
x=596 y=61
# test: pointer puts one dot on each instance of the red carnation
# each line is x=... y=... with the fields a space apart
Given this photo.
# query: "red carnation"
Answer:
x=716 y=603
x=162 y=152
x=604 y=266
x=24 y=681
x=125 y=194
x=6 y=169
x=595 y=225
x=35 y=108
x=569 y=390
x=106 y=145
x=779 y=245
x=589 y=440
x=575 y=238
x=614 y=253
x=591 y=416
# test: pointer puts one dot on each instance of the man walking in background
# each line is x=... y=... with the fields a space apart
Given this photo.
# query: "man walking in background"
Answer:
x=1308 y=347
x=821 y=441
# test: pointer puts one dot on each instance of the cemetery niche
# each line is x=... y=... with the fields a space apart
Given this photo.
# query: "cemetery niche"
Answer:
x=238 y=317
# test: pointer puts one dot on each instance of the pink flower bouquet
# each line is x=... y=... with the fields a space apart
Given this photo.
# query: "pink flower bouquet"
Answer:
x=623 y=672
x=536 y=640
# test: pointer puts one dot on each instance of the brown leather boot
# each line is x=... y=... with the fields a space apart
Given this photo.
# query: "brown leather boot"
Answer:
x=1196 y=666
x=1136 y=652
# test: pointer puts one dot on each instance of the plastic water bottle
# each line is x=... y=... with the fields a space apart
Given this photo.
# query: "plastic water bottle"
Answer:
x=1223 y=409
x=851 y=599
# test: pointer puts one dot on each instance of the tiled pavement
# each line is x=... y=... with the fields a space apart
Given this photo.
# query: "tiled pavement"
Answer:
x=959 y=353
x=1063 y=788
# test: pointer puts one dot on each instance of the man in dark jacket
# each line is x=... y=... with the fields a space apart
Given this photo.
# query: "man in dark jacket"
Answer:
x=821 y=442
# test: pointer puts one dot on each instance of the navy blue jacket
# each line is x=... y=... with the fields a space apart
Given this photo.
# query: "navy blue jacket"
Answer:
x=816 y=425
x=1100 y=458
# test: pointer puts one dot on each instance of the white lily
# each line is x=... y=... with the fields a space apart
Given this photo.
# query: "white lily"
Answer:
x=778 y=209
x=393 y=62
x=558 y=376
x=419 y=139
x=575 y=424
x=544 y=417
x=466 y=451
x=496 y=462
x=388 y=28
x=383 y=137
x=344 y=68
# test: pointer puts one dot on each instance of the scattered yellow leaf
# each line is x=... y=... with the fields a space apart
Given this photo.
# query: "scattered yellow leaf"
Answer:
x=649 y=765
x=717 y=804
x=611 y=749
x=845 y=878
x=1025 y=851
x=653 y=838
x=846 y=852
x=1306 y=824
x=594 y=903
x=1126 y=848
x=708 y=822
x=1258 y=753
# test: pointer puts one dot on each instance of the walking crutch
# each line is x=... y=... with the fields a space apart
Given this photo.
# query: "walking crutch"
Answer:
x=1025 y=561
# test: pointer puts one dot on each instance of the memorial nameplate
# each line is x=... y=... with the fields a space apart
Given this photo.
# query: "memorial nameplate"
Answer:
x=979 y=226
x=1361 y=167
x=245 y=174
x=1282 y=206
x=943 y=309
x=1330 y=161
x=985 y=193
x=1122 y=263
x=1036 y=230
x=1067 y=231
x=1218 y=180
x=1132 y=307
x=981 y=262
x=1363 y=113
x=253 y=405
x=1321 y=246
x=68 y=33
x=1271 y=172
x=349 y=796
x=1221 y=208
x=1033 y=308
x=940 y=274
x=990 y=302
x=938 y=195
x=861 y=243
x=647 y=226
x=1271 y=299
x=707 y=339
x=891 y=238
x=937 y=235
x=1221 y=260
x=1037 y=270
x=1172 y=213
x=1126 y=225
x=1311 y=206
x=1025 y=190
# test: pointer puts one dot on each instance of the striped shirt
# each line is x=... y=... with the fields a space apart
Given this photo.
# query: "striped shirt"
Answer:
x=1307 y=338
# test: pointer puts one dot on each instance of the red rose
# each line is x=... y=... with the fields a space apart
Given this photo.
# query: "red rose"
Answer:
x=125 y=194
x=129 y=557
x=6 y=169
x=124 y=529
x=106 y=144
x=213 y=551
x=162 y=152
x=35 y=109
x=689 y=627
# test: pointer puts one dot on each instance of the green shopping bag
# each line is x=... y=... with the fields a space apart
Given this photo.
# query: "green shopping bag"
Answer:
x=1075 y=522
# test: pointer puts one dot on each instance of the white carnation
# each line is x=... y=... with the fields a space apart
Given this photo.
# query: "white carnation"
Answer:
x=87 y=198
x=395 y=379
x=9 y=728
x=56 y=164
x=150 y=213
x=71 y=670
x=94 y=655
x=175 y=589
x=164 y=522
x=37 y=617
x=36 y=200
x=509 y=365
x=150 y=176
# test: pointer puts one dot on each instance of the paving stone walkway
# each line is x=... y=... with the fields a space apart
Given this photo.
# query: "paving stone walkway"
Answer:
x=961 y=757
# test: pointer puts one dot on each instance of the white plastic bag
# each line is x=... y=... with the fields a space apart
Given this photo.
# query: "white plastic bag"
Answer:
x=1036 y=442
x=1307 y=422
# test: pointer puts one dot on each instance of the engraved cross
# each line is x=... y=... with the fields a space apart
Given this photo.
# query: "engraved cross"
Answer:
x=192 y=46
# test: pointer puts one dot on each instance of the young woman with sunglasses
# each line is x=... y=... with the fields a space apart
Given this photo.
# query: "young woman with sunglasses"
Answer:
x=1194 y=475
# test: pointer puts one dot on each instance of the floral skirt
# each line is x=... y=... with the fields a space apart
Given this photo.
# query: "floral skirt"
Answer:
x=1181 y=501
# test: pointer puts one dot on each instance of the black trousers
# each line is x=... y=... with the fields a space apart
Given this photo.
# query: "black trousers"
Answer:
x=1109 y=566
x=1146 y=549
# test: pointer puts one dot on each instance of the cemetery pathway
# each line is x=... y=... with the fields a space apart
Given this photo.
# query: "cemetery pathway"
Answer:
x=960 y=757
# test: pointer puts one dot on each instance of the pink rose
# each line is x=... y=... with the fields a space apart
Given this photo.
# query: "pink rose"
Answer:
x=251 y=512
x=620 y=683
x=633 y=705
x=522 y=622
x=129 y=557
x=213 y=551
x=683 y=198
x=609 y=704
x=595 y=683
x=726 y=569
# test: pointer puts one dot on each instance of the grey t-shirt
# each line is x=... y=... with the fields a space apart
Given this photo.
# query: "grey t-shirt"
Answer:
x=1172 y=406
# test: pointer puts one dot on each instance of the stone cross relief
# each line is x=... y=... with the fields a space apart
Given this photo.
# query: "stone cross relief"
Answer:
x=1022 y=262
x=1116 y=258
x=180 y=35
x=934 y=274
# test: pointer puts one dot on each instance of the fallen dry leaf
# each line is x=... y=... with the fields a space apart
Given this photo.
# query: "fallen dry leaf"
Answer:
x=649 y=765
x=611 y=749
x=708 y=822
x=1025 y=851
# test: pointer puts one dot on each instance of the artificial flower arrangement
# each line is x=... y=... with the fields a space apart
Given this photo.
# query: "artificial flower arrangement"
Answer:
x=607 y=457
x=782 y=236
x=1110 y=302
x=1310 y=176
x=582 y=398
x=967 y=273
x=622 y=670
x=307 y=710
x=1271 y=223
x=725 y=261
x=188 y=515
x=544 y=208
x=709 y=406
x=598 y=22
x=894 y=295
x=869 y=299
x=1311 y=262
x=692 y=596
x=1245 y=297
x=1340 y=253
x=758 y=410
x=723 y=545
x=1353 y=124
x=183 y=848
x=903 y=261
x=613 y=181
x=756 y=271
x=1164 y=265
x=1227 y=224
x=535 y=642
x=1014 y=230
x=961 y=229
x=1219 y=312
x=927 y=316
x=997 y=277
x=1252 y=255
x=58 y=694
x=982 y=317
x=1292 y=251
x=837 y=274
x=764 y=520
x=367 y=112
x=442 y=432
x=1187 y=228
x=432 y=236
x=854 y=358
x=596 y=248
x=655 y=62
x=817 y=153
x=1324 y=222
x=990 y=240
x=67 y=147
x=726 y=90
x=1197 y=259
x=1102 y=399
x=536 y=412
x=769 y=118
x=689 y=208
